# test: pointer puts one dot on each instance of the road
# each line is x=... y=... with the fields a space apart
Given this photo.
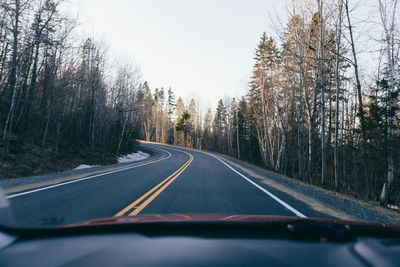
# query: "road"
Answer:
x=181 y=181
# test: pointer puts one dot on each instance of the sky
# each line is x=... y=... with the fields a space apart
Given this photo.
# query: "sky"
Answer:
x=202 y=49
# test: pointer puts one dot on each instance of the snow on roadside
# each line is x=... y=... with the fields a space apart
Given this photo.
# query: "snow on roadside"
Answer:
x=133 y=157
x=84 y=166
x=122 y=159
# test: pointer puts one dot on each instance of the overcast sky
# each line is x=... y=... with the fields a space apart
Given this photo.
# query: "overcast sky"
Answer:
x=199 y=48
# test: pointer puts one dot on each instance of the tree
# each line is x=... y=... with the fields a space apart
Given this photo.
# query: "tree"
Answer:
x=338 y=25
x=171 y=106
x=388 y=12
x=265 y=94
x=183 y=125
x=360 y=99
x=219 y=127
x=207 y=131
x=322 y=84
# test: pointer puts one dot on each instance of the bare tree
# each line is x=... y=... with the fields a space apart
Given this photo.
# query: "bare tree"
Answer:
x=388 y=12
x=360 y=100
x=338 y=44
x=322 y=75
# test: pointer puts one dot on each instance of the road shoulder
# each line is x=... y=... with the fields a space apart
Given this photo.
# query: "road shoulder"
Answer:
x=322 y=200
x=15 y=185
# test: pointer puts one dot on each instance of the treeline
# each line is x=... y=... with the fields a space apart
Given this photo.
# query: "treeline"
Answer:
x=315 y=117
x=58 y=94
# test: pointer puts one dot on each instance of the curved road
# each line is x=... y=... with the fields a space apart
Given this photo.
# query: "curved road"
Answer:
x=182 y=181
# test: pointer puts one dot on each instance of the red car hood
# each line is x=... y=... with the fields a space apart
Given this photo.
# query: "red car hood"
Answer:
x=211 y=218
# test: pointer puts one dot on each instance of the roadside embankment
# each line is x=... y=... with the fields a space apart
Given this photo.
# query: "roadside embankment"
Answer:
x=32 y=182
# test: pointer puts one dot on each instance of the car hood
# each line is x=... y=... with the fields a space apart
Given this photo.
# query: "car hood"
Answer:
x=215 y=218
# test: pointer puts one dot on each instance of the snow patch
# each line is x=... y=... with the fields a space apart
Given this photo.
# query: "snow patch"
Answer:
x=122 y=159
x=84 y=166
x=133 y=157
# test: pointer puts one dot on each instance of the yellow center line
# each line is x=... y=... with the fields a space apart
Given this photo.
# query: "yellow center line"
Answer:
x=167 y=181
x=152 y=197
x=130 y=206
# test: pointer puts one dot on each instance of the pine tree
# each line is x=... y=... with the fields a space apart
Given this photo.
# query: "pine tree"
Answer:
x=219 y=127
x=264 y=90
x=171 y=102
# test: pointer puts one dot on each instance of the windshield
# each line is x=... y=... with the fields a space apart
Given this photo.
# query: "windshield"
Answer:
x=130 y=108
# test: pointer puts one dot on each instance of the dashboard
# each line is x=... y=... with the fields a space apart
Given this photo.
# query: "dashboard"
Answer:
x=191 y=245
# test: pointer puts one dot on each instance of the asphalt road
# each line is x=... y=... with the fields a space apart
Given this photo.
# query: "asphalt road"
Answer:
x=182 y=181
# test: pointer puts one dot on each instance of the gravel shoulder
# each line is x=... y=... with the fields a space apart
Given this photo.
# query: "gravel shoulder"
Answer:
x=14 y=185
x=334 y=204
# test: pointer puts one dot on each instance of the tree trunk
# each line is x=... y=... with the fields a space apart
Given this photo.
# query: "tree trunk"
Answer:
x=14 y=56
x=237 y=133
x=338 y=38
x=360 y=103
x=299 y=152
x=392 y=61
x=122 y=133
x=322 y=64
x=3 y=58
x=47 y=125
x=92 y=141
x=10 y=120
x=58 y=134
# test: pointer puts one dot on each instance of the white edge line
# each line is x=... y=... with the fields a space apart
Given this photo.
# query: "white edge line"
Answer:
x=86 y=178
x=298 y=213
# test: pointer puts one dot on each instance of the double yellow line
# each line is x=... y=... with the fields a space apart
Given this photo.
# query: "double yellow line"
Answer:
x=139 y=204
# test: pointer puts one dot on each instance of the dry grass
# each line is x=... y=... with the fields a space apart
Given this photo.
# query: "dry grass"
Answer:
x=33 y=160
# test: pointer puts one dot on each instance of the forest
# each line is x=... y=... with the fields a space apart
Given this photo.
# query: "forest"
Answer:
x=310 y=113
